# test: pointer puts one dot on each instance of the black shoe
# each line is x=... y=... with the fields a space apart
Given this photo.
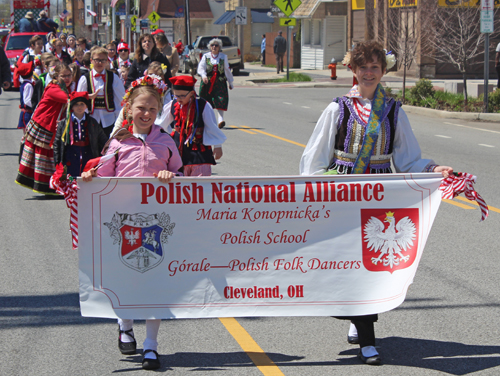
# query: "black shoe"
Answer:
x=150 y=364
x=352 y=340
x=126 y=348
x=222 y=124
x=372 y=360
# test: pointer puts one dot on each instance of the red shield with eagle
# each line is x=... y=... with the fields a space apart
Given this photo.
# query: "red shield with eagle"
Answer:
x=389 y=238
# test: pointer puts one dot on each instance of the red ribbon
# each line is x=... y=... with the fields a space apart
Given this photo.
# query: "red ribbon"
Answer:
x=212 y=79
x=462 y=182
x=68 y=188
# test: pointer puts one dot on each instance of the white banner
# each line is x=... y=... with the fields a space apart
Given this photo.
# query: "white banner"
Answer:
x=252 y=246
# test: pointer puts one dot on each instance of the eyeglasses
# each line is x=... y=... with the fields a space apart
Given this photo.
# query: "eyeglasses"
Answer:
x=215 y=45
x=111 y=50
x=181 y=96
x=122 y=50
x=66 y=76
x=99 y=61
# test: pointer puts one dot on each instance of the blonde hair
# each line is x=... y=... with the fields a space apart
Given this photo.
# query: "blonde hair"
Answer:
x=155 y=68
x=97 y=50
x=141 y=89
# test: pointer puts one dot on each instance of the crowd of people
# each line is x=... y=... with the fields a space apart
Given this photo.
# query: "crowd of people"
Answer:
x=78 y=105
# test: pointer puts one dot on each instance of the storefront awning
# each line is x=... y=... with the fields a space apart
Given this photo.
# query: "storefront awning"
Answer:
x=260 y=16
x=225 y=18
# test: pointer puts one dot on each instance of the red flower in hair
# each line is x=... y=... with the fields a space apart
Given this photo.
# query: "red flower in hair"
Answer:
x=134 y=84
x=148 y=80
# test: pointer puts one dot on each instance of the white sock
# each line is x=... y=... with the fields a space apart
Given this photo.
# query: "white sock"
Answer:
x=353 y=332
x=369 y=351
x=221 y=115
x=126 y=324
x=151 y=343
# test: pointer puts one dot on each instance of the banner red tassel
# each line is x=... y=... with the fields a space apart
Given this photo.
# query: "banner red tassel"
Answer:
x=462 y=182
x=68 y=188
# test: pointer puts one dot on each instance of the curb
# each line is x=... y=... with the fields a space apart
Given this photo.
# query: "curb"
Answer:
x=452 y=115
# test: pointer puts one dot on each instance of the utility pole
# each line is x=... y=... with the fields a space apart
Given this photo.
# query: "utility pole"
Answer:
x=187 y=19
x=240 y=36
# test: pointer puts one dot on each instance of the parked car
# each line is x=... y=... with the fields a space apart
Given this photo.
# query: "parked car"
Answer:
x=200 y=47
x=16 y=43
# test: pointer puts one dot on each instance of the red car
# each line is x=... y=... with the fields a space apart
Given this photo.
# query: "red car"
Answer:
x=16 y=43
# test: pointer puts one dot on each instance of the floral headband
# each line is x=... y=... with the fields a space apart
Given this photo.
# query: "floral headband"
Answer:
x=390 y=59
x=151 y=79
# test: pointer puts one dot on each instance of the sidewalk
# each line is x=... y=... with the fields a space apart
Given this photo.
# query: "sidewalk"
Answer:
x=255 y=75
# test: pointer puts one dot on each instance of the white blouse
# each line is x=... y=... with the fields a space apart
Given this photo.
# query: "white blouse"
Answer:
x=202 y=66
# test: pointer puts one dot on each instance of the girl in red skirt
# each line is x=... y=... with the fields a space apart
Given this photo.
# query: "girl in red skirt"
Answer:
x=37 y=159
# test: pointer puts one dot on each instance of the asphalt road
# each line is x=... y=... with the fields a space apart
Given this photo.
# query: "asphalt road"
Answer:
x=447 y=325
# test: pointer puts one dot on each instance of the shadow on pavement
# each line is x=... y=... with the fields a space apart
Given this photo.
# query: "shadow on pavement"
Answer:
x=450 y=357
x=197 y=361
x=43 y=310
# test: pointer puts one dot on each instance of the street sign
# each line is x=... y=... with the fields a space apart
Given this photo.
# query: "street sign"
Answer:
x=487 y=23
x=487 y=4
x=144 y=24
x=288 y=22
x=241 y=15
x=128 y=24
x=153 y=27
x=287 y=6
x=154 y=17
x=133 y=20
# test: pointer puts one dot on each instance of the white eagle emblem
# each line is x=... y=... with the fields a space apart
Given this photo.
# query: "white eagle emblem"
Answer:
x=391 y=242
x=132 y=237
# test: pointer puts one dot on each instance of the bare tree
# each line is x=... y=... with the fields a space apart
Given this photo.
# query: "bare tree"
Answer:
x=454 y=37
x=404 y=35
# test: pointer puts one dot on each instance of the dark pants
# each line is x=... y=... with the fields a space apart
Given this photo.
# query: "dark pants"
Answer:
x=498 y=74
x=364 y=326
x=264 y=58
x=279 y=62
x=108 y=130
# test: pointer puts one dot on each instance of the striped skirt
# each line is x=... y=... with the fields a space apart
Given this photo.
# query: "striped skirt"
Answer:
x=37 y=160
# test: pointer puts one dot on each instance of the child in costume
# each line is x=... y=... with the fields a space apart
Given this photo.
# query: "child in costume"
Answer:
x=336 y=147
x=142 y=149
x=215 y=75
x=194 y=128
x=25 y=70
x=37 y=158
x=79 y=138
x=107 y=86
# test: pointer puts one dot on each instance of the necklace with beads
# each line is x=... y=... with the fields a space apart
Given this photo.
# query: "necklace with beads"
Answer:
x=363 y=111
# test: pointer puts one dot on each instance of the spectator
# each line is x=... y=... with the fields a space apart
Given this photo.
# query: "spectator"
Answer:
x=82 y=43
x=5 y=75
x=263 y=49
x=180 y=47
x=279 y=51
x=27 y=24
x=46 y=24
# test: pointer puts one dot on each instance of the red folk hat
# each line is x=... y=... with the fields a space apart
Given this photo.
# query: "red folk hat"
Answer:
x=157 y=31
x=25 y=69
x=123 y=46
x=79 y=96
x=183 y=82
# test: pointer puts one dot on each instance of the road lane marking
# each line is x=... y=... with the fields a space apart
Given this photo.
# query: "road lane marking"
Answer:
x=248 y=345
x=286 y=103
x=440 y=135
x=243 y=130
x=466 y=126
x=305 y=107
x=277 y=137
x=492 y=208
x=458 y=204
x=488 y=146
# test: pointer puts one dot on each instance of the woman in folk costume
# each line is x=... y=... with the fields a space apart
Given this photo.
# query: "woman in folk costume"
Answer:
x=37 y=159
x=25 y=70
x=362 y=132
x=194 y=130
x=215 y=74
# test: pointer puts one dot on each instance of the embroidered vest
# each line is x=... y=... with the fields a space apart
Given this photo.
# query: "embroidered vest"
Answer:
x=106 y=102
x=21 y=90
x=196 y=153
x=349 y=138
x=221 y=74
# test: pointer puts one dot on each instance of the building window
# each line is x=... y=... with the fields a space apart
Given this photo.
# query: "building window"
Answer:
x=257 y=30
x=312 y=32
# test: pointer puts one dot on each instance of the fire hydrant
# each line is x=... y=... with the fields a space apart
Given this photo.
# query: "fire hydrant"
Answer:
x=333 y=67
